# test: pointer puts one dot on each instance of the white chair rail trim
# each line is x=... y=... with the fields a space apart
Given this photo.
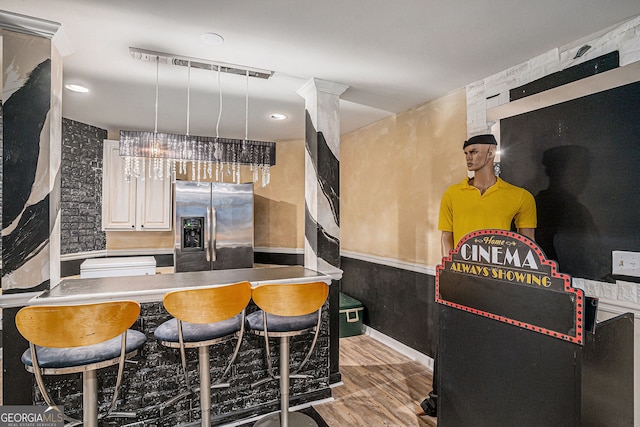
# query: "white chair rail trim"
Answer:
x=404 y=265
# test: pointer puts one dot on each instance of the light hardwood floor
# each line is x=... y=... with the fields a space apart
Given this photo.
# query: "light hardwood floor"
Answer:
x=381 y=387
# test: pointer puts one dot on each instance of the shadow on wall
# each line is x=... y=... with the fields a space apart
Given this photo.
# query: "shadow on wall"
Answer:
x=566 y=229
x=275 y=222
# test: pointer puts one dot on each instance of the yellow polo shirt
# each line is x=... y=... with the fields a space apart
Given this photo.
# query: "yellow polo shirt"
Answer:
x=464 y=210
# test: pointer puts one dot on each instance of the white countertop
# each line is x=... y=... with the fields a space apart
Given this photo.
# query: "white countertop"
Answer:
x=151 y=288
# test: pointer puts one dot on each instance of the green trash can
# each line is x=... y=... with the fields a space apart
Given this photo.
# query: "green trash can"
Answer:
x=350 y=316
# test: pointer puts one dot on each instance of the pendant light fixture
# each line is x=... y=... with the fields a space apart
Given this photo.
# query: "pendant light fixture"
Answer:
x=202 y=151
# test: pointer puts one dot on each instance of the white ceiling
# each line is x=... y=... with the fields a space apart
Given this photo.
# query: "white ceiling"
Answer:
x=393 y=55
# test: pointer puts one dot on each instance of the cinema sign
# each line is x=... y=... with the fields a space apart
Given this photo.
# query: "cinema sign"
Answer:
x=506 y=277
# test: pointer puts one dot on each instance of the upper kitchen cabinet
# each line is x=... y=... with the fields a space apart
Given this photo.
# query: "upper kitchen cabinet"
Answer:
x=141 y=204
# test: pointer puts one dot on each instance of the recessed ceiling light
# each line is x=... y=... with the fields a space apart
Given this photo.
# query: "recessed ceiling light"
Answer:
x=212 y=39
x=277 y=116
x=77 y=88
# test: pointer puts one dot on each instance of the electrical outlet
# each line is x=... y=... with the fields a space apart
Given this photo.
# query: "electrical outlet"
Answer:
x=626 y=263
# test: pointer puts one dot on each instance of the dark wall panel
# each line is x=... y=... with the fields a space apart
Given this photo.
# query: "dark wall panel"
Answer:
x=580 y=160
x=586 y=69
x=278 y=258
x=398 y=303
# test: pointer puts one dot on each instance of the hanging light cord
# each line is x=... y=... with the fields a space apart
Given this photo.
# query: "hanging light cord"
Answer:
x=155 y=128
x=188 y=94
x=220 y=111
x=246 y=109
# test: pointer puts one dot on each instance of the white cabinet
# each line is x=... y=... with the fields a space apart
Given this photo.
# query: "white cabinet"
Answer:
x=142 y=204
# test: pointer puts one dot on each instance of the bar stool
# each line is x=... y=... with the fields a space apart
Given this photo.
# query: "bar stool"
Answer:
x=287 y=310
x=201 y=318
x=83 y=338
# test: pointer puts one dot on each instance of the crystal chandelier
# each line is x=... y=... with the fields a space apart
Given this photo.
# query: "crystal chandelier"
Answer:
x=156 y=155
x=159 y=155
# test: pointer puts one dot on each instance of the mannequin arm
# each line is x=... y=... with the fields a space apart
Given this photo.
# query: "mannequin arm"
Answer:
x=528 y=232
x=446 y=243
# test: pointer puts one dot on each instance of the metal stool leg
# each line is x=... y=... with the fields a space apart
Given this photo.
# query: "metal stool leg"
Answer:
x=285 y=418
x=205 y=386
x=284 y=381
x=90 y=398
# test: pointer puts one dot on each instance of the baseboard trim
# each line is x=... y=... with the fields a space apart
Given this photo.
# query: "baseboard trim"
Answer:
x=139 y=252
x=83 y=255
x=403 y=349
x=116 y=252
x=271 y=250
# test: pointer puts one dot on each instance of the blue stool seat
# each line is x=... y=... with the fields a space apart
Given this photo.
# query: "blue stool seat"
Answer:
x=81 y=338
x=198 y=332
x=287 y=310
x=277 y=324
x=68 y=357
x=203 y=317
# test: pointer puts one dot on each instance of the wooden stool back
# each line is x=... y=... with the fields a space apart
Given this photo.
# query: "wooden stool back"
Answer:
x=291 y=299
x=208 y=305
x=61 y=326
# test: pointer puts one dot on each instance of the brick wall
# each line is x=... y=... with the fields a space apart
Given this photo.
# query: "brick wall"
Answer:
x=493 y=90
x=81 y=198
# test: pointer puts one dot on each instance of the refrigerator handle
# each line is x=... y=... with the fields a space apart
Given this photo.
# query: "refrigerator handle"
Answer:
x=207 y=238
x=214 y=225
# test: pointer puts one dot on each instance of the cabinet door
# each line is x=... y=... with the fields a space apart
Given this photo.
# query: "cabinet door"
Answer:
x=154 y=204
x=118 y=196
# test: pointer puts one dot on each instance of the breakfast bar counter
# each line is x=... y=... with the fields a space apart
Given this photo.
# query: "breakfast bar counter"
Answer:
x=155 y=377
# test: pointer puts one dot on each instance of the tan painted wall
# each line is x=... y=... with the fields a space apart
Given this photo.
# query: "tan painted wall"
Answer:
x=392 y=175
x=121 y=240
x=279 y=207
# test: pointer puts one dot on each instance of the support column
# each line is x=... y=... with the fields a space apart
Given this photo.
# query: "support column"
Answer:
x=322 y=196
x=31 y=87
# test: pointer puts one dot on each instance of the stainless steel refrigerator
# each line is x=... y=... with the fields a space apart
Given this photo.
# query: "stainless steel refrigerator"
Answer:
x=213 y=225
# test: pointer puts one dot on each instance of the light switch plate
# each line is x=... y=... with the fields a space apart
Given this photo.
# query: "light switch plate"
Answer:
x=626 y=263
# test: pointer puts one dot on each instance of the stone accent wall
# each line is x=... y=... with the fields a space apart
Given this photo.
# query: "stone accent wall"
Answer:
x=81 y=198
x=157 y=376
